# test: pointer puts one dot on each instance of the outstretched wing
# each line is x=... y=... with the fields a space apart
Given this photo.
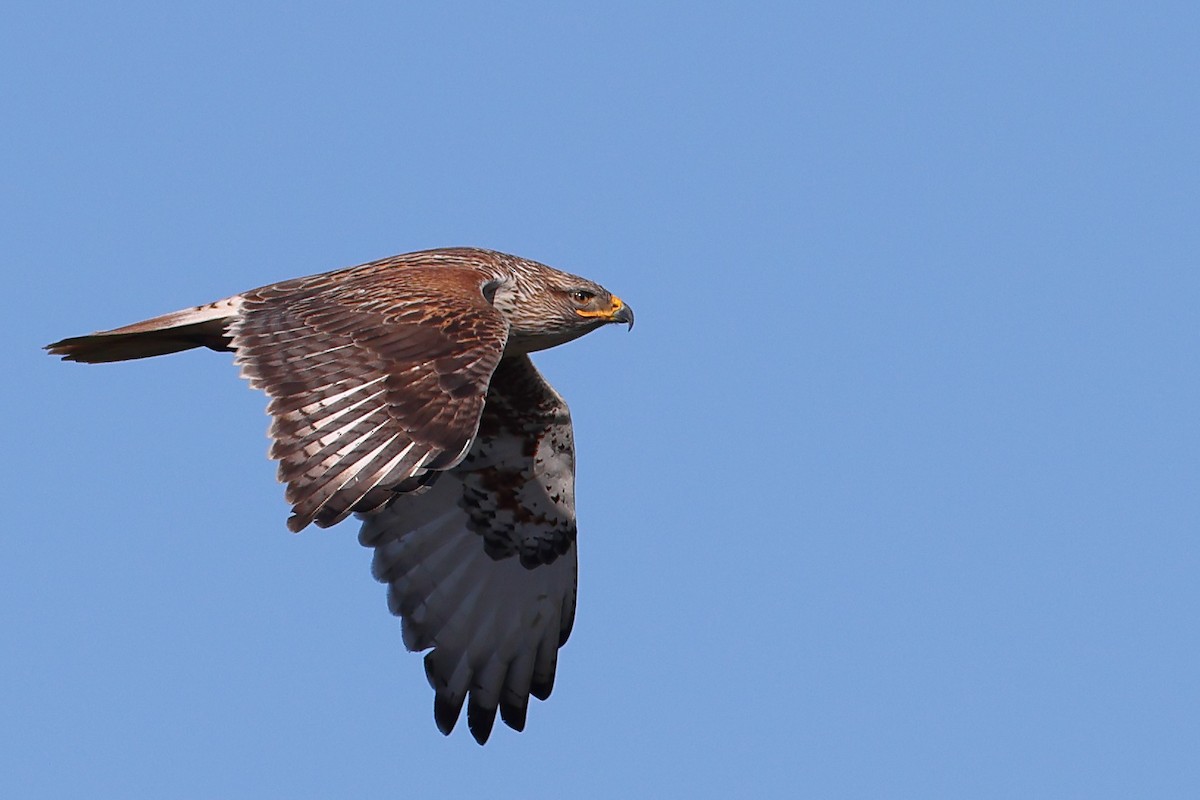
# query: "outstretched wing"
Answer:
x=481 y=566
x=376 y=377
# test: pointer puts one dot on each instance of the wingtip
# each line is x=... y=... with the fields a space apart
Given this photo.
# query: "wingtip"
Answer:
x=480 y=720
x=542 y=686
x=445 y=714
x=514 y=714
x=63 y=348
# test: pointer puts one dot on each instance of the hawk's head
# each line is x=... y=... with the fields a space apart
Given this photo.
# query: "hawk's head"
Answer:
x=545 y=308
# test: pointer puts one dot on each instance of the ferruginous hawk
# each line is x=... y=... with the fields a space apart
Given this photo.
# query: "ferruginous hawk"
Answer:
x=402 y=390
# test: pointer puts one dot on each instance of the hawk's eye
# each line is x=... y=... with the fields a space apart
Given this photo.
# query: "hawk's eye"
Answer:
x=582 y=295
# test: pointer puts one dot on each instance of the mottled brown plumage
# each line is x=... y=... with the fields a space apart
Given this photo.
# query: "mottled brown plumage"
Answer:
x=386 y=376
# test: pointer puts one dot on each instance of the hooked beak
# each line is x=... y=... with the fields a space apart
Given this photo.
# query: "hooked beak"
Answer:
x=616 y=312
x=622 y=313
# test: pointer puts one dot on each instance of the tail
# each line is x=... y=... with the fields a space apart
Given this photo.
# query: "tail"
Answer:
x=202 y=326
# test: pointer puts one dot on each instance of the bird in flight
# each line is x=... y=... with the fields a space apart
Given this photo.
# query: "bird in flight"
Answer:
x=402 y=390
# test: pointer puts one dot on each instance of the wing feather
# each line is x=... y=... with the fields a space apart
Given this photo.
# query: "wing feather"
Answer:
x=481 y=566
x=374 y=379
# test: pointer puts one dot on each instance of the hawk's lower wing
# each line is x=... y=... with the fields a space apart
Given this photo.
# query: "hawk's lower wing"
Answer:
x=481 y=566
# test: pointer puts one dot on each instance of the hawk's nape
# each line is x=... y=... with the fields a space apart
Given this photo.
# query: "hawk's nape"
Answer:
x=402 y=390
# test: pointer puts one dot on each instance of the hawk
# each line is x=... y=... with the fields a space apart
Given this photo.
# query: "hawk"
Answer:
x=402 y=390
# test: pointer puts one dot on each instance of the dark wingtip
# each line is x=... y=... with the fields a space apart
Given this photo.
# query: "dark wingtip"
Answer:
x=65 y=349
x=514 y=714
x=445 y=714
x=480 y=720
x=542 y=688
x=445 y=707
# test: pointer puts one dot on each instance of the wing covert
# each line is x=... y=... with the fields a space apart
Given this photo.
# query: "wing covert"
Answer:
x=374 y=379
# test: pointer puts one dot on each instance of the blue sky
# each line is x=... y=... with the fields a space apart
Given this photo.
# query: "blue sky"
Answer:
x=892 y=492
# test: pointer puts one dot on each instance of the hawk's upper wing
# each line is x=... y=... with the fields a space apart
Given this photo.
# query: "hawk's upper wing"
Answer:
x=482 y=565
x=374 y=379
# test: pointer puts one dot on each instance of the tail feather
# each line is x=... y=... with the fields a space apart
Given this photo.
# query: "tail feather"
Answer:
x=202 y=326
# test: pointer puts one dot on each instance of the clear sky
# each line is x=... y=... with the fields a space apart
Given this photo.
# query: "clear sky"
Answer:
x=893 y=492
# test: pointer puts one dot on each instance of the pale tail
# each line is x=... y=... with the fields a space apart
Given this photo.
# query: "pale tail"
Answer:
x=201 y=326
